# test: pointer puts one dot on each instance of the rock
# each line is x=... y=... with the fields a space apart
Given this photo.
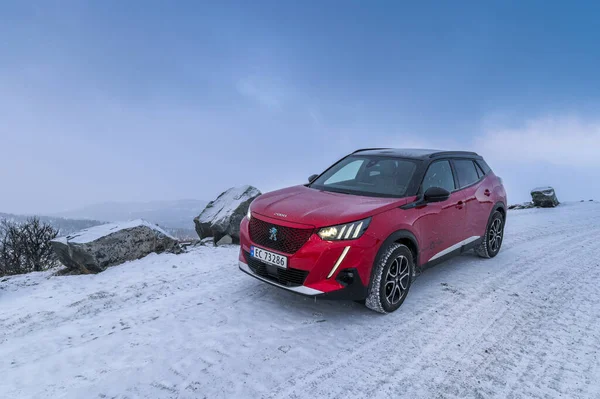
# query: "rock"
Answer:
x=93 y=250
x=225 y=240
x=207 y=241
x=524 y=205
x=223 y=215
x=189 y=243
x=544 y=197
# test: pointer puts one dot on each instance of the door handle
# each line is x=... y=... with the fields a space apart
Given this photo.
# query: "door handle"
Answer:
x=487 y=192
x=459 y=204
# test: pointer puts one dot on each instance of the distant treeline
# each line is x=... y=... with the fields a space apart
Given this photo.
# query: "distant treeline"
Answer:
x=63 y=225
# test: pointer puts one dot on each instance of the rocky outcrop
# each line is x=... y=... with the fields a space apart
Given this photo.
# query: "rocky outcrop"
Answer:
x=97 y=248
x=524 y=205
x=544 y=197
x=223 y=216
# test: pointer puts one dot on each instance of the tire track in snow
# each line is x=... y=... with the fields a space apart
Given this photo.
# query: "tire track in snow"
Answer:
x=532 y=323
x=412 y=370
x=530 y=263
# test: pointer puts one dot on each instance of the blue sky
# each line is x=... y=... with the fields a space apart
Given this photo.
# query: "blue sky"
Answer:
x=149 y=100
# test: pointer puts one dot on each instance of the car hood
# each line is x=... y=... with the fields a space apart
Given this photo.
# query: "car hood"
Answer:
x=317 y=208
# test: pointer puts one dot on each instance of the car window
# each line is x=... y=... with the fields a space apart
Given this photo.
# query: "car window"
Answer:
x=480 y=172
x=439 y=174
x=346 y=173
x=466 y=172
x=484 y=166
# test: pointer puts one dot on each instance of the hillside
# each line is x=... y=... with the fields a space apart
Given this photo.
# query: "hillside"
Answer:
x=177 y=214
x=521 y=325
x=68 y=226
x=64 y=225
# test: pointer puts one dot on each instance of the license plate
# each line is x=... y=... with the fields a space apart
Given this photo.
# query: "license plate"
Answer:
x=268 y=257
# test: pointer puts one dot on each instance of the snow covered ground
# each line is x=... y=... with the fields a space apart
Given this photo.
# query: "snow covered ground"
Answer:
x=525 y=324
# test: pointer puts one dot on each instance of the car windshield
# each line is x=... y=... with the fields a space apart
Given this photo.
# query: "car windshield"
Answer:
x=368 y=175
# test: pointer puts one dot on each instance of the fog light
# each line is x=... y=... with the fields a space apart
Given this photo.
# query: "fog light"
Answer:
x=346 y=277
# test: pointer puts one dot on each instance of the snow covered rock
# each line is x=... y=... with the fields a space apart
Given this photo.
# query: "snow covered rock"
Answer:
x=524 y=205
x=93 y=250
x=544 y=197
x=223 y=215
x=207 y=241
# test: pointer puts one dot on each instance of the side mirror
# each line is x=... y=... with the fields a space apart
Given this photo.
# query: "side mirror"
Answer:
x=312 y=177
x=436 y=194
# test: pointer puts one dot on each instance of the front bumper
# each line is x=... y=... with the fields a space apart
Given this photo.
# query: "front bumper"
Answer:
x=354 y=291
x=318 y=259
x=303 y=290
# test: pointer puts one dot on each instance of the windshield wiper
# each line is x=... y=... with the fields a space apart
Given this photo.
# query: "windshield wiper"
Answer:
x=332 y=190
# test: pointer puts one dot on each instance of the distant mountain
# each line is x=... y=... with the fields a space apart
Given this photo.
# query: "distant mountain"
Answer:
x=176 y=217
x=65 y=226
x=68 y=226
x=177 y=214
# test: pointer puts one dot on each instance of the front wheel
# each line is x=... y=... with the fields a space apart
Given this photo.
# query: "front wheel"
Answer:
x=391 y=279
x=490 y=246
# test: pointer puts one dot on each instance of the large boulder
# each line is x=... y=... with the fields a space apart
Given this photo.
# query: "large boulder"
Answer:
x=223 y=216
x=544 y=197
x=93 y=250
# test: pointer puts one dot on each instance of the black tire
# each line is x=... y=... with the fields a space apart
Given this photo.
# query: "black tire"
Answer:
x=391 y=279
x=494 y=234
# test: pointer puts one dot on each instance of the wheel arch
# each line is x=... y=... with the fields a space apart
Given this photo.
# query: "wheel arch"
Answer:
x=500 y=207
x=405 y=237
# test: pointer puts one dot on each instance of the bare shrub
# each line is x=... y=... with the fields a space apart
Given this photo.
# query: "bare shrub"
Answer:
x=25 y=247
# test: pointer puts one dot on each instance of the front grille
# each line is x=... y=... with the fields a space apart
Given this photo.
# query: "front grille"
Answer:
x=287 y=239
x=288 y=277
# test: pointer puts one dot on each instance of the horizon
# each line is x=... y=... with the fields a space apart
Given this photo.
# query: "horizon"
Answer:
x=145 y=102
x=62 y=213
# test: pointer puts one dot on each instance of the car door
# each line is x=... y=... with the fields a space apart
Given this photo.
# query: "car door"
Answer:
x=441 y=224
x=478 y=203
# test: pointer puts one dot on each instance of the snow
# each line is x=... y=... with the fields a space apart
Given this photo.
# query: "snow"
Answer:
x=542 y=189
x=96 y=232
x=522 y=325
x=227 y=203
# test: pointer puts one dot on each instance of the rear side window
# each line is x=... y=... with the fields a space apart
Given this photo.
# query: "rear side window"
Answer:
x=439 y=174
x=480 y=171
x=466 y=172
x=484 y=166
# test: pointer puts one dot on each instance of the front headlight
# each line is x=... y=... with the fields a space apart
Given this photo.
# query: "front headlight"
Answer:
x=249 y=214
x=348 y=231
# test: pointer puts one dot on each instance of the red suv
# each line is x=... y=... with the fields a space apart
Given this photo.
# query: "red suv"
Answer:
x=362 y=228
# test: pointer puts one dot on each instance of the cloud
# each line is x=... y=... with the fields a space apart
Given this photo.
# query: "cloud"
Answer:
x=267 y=93
x=559 y=140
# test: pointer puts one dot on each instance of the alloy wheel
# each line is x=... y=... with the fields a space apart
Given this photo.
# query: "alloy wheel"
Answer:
x=397 y=280
x=495 y=235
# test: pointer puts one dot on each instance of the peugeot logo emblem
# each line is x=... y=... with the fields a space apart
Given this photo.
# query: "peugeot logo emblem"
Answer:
x=273 y=234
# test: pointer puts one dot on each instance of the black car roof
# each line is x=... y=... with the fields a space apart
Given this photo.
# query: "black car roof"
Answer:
x=417 y=153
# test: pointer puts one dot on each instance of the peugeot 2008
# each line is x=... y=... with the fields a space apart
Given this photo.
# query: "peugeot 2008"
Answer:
x=362 y=228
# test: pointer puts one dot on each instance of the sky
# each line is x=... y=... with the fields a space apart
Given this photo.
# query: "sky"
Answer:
x=154 y=100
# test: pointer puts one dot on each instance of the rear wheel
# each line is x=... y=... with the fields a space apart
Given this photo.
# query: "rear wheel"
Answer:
x=391 y=279
x=494 y=234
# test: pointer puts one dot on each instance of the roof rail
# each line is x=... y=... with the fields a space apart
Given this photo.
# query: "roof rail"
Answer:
x=370 y=149
x=451 y=153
